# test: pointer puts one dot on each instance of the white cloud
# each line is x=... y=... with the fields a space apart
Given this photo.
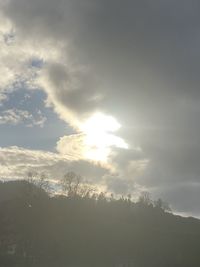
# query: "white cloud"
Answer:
x=72 y=145
x=16 y=162
x=18 y=116
x=75 y=145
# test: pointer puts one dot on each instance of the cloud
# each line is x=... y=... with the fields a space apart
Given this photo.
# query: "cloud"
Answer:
x=72 y=145
x=71 y=91
x=80 y=148
x=18 y=116
x=16 y=162
x=16 y=57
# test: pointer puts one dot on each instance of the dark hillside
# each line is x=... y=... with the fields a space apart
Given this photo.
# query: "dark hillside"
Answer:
x=37 y=230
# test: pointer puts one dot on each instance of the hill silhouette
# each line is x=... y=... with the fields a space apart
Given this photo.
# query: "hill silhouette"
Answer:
x=37 y=229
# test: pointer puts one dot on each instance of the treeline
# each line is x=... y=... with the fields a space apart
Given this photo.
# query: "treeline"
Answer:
x=83 y=227
x=73 y=186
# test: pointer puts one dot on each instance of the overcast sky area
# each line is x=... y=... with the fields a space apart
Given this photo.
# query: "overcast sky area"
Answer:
x=70 y=68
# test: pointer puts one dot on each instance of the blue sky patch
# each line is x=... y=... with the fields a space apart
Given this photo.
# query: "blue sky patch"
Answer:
x=24 y=135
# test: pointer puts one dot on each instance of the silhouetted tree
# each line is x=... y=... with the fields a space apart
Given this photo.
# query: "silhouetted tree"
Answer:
x=40 y=180
x=145 y=199
x=71 y=183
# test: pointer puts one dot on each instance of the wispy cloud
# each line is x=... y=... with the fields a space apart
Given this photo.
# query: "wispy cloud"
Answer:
x=16 y=162
x=18 y=116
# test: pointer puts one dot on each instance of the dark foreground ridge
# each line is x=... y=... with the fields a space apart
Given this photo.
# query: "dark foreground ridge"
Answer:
x=91 y=230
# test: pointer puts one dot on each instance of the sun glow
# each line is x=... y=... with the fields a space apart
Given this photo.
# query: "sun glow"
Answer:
x=100 y=138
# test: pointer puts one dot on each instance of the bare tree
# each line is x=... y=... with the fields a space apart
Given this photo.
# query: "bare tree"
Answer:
x=70 y=184
x=38 y=179
x=145 y=199
x=86 y=191
x=42 y=182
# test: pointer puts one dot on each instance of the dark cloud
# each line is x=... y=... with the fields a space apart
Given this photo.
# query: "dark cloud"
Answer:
x=74 y=89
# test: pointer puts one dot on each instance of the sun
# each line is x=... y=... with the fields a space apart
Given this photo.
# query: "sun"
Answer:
x=99 y=134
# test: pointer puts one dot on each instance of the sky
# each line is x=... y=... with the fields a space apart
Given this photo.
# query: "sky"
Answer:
x=106 y=88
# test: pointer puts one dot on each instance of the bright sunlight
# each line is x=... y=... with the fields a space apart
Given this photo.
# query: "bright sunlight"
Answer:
x=99 y=137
